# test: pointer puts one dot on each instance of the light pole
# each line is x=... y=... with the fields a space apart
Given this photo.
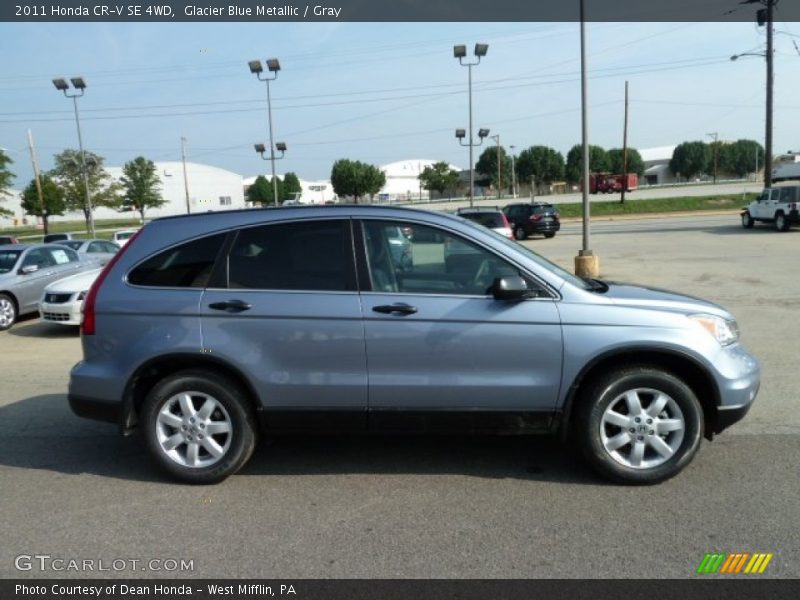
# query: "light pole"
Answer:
x=460 y=135
x=79 y=84
x=261 y=149
x=460 y=52
x=715 y=136
x=496 y=139
x=513 y=174
x=273 y=66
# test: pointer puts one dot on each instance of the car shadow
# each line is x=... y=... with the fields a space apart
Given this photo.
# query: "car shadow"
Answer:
x=41 y=433
x=41 y=329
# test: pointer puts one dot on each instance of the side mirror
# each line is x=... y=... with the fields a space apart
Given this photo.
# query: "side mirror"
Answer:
x=27 y=270
x=510 y=288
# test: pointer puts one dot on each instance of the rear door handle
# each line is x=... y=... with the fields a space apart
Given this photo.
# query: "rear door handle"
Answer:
x=399 y=309
x=232 y=306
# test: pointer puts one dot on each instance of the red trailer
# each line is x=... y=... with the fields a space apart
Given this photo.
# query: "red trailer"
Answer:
x=605 y=183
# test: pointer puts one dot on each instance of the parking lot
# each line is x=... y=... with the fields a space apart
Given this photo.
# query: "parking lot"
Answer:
x=417 y=507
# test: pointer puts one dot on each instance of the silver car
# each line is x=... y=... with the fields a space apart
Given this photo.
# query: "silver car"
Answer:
x=26 y=269
x=99 y=251
x=207 y=329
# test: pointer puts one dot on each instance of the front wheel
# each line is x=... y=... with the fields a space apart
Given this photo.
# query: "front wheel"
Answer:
x=639 y=425
x=199 y=428
x=747 y=220
x=8 y=312
x=519 y=233
x=781 y=224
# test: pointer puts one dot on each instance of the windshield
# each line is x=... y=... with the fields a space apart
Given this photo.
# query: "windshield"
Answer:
x=540 y=260
x=8 y=258
x=123 y=235
x=74 y=244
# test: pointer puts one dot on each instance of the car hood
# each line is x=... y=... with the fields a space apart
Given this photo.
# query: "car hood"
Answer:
x=626 y=294
x=74 y=283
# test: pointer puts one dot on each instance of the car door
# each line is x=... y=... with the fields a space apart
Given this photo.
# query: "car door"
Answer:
x=286 y=311
x=30 y=285
x=441 y=351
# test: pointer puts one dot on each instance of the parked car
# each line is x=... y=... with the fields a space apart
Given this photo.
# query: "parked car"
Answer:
x=99 y=251
x=206 y=329
x=777 y=205
x=62 y=300
x=7 y=239
x=120 y=238
x=25 y=270
x=56 y=237
x=535 y=217
x=493 y=218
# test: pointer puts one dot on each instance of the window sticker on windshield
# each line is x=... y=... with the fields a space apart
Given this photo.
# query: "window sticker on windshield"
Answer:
x=60 y=256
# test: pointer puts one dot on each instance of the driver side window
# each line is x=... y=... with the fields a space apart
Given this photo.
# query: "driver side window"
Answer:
x=408 y=258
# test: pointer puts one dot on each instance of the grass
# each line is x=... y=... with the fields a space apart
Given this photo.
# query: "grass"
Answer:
x=659 y=205
x=28 y=233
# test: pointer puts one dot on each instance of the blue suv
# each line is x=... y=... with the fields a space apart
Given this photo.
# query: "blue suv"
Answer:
x=207 y=330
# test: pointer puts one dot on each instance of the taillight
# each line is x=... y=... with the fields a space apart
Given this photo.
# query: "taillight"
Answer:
x=88 y=324
x=535 y=218
x=556 y=216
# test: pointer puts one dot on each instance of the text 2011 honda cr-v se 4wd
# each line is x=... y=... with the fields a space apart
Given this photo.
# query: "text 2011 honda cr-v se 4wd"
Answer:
x=207 y=329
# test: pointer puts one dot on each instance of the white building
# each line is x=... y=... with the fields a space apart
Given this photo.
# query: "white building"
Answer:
x=402 y=180
x=656 y=165
x=313 y=192
x=13 y=204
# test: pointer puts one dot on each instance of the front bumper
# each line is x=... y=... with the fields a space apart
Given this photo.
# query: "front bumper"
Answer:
x=738 y=381
x=67 y=313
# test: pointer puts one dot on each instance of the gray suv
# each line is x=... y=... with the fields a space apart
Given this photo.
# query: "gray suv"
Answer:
x=206 y=330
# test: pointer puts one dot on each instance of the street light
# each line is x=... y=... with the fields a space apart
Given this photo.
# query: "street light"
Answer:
x=79 y=83
x=496 y=138
x=273 y=66
x=261 y=149
x=460 y=52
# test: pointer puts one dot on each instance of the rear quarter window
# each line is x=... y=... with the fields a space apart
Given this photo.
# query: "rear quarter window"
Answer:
x=186 y=265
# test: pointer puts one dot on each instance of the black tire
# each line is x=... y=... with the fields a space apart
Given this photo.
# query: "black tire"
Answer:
x=519 y=233
x=550 y=234
x=781 y=224
x=607 y=390
x=747 y=220
x=237 y=413
x=8 y=312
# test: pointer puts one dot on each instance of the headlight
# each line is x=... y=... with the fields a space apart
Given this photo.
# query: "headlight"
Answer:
x=725 y=331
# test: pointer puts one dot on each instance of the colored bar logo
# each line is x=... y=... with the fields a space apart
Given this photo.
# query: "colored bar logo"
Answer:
x=734 y=563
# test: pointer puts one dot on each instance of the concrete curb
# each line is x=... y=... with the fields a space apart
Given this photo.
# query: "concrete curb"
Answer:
x=637 y=217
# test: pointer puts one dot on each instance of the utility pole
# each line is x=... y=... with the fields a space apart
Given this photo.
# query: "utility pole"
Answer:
x=770 y=81
x=513 y=174
x=715 y=136
x=185 y=176
x=38 y=181
x=625 y=150
x=499 y=175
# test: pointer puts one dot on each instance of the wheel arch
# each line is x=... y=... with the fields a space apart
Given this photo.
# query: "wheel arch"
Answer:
x=683 y=365
x=151 y=372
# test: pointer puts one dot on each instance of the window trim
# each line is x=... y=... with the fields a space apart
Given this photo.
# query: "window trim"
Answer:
x=361 y=259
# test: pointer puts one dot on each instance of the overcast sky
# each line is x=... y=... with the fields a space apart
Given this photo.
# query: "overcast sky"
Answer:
x=382 y=92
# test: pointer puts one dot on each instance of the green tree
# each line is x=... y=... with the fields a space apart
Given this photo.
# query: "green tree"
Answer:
x=6 y=177
x=598 y=162
x=260 y=192
x=486 y=167
x=541 y=164
x=690 y=159
x=291 y=187
x=356 y=179
x=104 y=191
x=141 y=185
x=740 y=157
x=615 y=161
x=439 y=177
x=52 y=200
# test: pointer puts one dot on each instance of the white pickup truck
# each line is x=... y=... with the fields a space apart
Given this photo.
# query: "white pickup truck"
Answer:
x=777 y=205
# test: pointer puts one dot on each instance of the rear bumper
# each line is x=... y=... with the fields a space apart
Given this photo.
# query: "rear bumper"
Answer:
x=544 y=227
x=92 y=408
x=794 y=216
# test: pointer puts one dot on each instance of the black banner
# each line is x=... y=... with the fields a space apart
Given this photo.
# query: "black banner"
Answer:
x=393 y=10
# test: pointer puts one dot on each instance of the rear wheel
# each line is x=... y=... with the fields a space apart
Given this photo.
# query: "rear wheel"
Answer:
x=199 y=428
x=8 y=312
x=639 y=425
x=781 y=224
x=747 y=220
x=519 y=233
x=550 y=234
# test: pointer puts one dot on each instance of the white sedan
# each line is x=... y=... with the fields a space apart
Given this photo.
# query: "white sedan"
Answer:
x=120 y=238
x=63 y=299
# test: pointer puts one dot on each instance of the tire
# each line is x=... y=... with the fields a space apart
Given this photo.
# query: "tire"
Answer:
x=781 y=224
x=8 y=312
x=550 y=234
x=747 y=220
x=607 y=414
x=519 y=233
x=168 y=421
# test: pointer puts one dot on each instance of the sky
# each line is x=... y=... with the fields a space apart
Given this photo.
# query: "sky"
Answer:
x=382 y=92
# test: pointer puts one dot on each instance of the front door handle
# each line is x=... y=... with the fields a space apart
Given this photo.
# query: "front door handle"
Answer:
x=232 y=306
x=395 y=309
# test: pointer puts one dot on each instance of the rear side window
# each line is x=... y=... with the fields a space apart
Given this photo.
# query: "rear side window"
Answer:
x=542 y=208
x=187 y=265
x=312 y=255
x=491 y=220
